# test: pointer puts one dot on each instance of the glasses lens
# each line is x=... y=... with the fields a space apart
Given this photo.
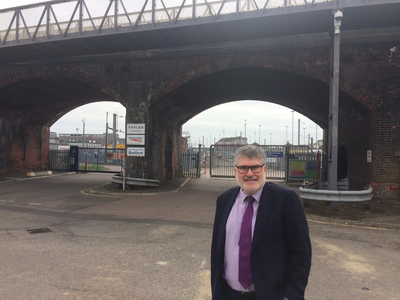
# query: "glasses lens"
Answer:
x=245 y=169
x=256 y=169
x=242 y=169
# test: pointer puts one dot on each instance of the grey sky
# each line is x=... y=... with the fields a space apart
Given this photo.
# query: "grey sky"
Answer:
x=224 y=120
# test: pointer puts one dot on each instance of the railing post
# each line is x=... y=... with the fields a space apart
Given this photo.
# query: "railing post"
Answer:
x=198 y=162
x=194 y=7
x=80 y=25
x=116 y=4
x=17 y=16
x=48 y=21
x=153 y=12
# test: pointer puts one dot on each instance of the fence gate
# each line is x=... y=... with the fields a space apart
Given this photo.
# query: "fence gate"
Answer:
x=221 y=160
x=87 y=160
x=190 y=163
x=59 y=160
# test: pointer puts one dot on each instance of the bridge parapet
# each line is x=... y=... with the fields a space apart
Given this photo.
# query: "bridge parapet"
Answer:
x=65 y=19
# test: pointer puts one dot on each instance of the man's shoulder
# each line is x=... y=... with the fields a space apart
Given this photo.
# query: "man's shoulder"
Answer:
x=230 y=192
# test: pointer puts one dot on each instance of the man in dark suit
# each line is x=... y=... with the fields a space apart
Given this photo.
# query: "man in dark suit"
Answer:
x=260 y=247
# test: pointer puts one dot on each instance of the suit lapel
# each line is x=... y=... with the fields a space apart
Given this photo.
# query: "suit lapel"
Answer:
x=266 y=200
x=230 y=200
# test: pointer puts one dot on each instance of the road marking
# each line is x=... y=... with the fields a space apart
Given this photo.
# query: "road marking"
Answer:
x=7 y=201
x=204 y=290
x=37 y=204
x=104 y=196
x=348 y=225
x=351 y=262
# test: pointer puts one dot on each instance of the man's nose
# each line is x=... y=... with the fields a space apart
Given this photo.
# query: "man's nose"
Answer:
x=249 y=170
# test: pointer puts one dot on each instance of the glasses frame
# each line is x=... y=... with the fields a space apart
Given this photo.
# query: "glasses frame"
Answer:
x=250 y=168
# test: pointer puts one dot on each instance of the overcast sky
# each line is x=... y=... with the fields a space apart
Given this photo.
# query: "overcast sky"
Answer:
x=226 y=120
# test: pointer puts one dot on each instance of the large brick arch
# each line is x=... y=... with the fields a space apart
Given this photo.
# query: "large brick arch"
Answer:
x=31 y=101
x=307 y=95
x=50 y=92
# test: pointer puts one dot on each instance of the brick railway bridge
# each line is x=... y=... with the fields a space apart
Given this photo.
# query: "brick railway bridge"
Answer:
x=167 y=70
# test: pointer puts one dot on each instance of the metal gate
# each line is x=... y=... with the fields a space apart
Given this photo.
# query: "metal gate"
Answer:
x=87 y=160
x=101 y=160
x=221 y=159
x=190 y=163
x=59 y=160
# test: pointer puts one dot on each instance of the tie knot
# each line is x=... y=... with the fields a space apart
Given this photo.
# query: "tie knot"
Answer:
x=250 y=199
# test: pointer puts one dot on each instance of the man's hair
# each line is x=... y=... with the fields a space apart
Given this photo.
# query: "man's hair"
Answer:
x=250 y=151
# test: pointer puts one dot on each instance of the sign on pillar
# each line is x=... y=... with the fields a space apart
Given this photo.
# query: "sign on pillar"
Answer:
x=135 y=137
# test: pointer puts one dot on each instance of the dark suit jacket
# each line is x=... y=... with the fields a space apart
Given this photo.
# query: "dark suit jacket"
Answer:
x=281 y=248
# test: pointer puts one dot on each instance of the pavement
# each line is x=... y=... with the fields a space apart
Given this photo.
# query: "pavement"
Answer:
x=175 y=185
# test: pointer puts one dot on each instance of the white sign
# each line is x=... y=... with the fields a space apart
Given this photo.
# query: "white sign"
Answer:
x=369 y=156
x=137 y=139
x=138 y=128
x=135 y=152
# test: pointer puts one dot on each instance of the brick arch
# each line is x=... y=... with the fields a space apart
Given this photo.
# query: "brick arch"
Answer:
x=305 y=94
x=44 y=99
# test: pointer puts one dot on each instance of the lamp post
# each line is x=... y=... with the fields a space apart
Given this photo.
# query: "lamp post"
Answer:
x=83 y=135
x=259 y=134
x=304 y=135
x=244 y=128
x=255 y=140
x=286 y=141
x=77 y=136
x=292 y=127
x=334 y=103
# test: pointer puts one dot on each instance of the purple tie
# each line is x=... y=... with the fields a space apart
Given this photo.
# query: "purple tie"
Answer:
x=245 y=277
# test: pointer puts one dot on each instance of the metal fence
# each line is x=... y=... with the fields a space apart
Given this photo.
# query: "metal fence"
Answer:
x=221 y=160
x=59 y=160
x=190 y=163
x=101 y=160
x=89 y=160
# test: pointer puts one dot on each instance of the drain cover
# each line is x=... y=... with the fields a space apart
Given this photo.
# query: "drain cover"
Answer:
x=38 y=230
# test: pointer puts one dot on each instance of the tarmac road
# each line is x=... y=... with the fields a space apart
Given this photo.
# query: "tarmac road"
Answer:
x=157 y=246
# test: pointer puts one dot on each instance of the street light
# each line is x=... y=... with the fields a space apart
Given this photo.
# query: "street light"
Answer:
x=304 y=135
x=259 y=134
x=244 y=128
x=83 y=136
x=77 y=135
x=292 y=127
x=286 y=141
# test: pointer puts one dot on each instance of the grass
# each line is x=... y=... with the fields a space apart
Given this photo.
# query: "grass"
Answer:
x=92 y=167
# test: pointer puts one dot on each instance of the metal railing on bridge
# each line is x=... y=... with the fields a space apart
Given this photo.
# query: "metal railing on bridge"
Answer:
x=65 y=19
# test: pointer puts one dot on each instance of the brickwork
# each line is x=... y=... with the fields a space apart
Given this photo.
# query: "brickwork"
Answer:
x=165 y=88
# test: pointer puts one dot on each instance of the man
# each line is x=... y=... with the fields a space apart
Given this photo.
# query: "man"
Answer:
x=273 y=260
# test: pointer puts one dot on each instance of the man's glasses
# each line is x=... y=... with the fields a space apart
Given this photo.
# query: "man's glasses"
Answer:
x=245 y=169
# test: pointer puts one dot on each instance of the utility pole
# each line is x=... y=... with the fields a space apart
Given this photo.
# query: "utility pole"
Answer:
x=334 y=103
